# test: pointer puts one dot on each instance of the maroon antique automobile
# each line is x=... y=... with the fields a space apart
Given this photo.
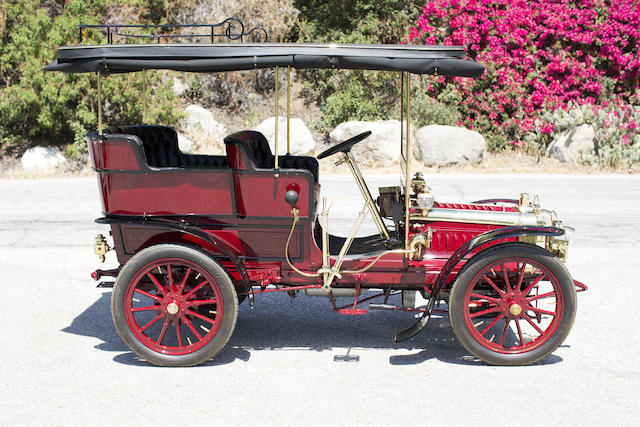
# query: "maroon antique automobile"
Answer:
x=195 y=235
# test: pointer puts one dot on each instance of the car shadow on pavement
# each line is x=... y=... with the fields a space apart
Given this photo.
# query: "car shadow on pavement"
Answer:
x=305 y=323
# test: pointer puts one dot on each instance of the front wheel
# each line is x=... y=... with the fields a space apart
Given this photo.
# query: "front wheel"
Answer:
x=513 y=304
x=174 y=306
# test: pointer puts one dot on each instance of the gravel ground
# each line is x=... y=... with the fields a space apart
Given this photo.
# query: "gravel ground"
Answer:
x=62 y=363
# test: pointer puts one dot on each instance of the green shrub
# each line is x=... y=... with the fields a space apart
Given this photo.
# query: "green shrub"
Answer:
x=37 y=107
x=353 y=95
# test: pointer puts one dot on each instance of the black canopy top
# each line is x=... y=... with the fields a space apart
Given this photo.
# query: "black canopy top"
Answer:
x=107 y=59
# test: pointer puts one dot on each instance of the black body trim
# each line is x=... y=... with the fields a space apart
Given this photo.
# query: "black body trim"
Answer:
x=183 y=228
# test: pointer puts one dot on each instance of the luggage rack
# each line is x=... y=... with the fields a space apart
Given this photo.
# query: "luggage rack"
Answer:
x=232 y=30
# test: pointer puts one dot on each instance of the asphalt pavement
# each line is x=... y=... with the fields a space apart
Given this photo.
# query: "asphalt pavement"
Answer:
x=62 y=363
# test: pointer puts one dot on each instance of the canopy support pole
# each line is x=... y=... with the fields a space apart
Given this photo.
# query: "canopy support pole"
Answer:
x=277 y=118
x=288 y=108
x=401 y=109
x=99 y=104
x=407 y=191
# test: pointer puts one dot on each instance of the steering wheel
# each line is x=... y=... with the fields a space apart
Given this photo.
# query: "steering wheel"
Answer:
x=344 y=146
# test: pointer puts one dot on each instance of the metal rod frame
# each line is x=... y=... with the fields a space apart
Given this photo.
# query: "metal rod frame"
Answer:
x=277 y=117
x=407 y=155
x=366 y=195
x=99 y=104
x=232 y=29
x=288 y=108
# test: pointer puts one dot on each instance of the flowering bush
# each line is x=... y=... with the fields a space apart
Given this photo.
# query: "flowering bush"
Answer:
x=540 y=55
x=616 y=132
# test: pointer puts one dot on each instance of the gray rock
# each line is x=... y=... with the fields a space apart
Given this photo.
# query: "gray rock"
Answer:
x=301 y=139
x=568 y=145
x=200 y=124
x=42 y=159
x=381 y=148
x=178 y=87
x=438 y=145
x=184 y=143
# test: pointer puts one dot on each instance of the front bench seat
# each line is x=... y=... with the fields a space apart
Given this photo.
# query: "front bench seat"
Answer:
x=256 y=154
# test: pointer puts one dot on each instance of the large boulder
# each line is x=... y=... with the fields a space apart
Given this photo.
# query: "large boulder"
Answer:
x=568 y=145
x=200 y=124
x=42 y=159
x=381 y=148
x=184 y=143
x=438 y=145
x=301 y=139
x=179 y=88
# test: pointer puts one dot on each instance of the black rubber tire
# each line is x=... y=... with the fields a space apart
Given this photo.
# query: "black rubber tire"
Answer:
x=488 y=257
x=229 y=298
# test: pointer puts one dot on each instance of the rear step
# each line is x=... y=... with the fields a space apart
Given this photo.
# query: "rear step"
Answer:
x=353 y=311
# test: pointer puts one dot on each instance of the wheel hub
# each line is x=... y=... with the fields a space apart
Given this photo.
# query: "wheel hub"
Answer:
x=172 y=308
x=515 y=309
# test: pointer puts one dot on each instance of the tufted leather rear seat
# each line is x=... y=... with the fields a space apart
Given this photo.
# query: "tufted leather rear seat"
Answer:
x=160 y=145
x=257 y=153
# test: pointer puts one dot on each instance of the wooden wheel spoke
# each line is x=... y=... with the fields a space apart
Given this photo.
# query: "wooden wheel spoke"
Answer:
x=200 y=316
x=520 y=337
x=486 y=298
x=170 y=276
x=540 y=331
x=541 y=296
x=147 y=294
x=192 y=328
x=151 y=322
x=178 y=334
x=521 y=275
x=184 y=280
x=148 y=308
x=541 y=311
x=533 y=284
x=493 y=285
x=487 y=311
x=505 y=275
x=504 y=331
x=194 y=290
x=165 y=326
x=202 y=302
x=157 y=284
x=491 y=325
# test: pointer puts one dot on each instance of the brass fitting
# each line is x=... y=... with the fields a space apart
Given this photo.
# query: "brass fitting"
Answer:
x=420 y=243
x=100 y=247
x=560 y=248
x=418 y=184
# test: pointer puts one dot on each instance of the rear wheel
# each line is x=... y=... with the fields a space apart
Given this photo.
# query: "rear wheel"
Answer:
x=512 y=305
x=174 y=306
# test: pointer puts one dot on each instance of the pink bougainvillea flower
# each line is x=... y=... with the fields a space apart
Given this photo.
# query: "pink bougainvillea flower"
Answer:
x=540 y=55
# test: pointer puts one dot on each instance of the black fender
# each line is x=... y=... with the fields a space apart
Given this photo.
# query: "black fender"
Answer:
x=466 y=248
x=183 y=227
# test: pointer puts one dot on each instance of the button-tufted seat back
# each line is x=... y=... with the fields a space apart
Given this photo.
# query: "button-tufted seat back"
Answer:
x=160 y=146
x=256 y=154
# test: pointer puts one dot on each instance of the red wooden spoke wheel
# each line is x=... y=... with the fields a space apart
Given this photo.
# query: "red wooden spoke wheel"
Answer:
x=512 y=305
x=174 y=305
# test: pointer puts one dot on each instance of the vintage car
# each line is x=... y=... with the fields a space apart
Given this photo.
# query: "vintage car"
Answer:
x=195 y=235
